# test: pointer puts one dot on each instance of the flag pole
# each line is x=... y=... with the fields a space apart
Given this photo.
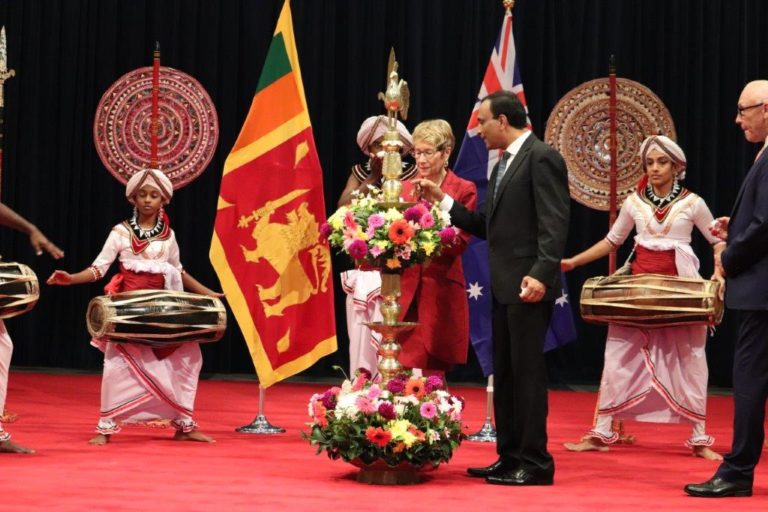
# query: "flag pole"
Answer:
x=487 y=433
x=260 y=424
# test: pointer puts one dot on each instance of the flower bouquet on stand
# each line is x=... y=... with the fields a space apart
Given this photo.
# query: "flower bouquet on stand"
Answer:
x=390 y=431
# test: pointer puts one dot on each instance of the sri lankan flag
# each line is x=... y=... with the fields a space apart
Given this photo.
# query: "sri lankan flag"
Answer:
x=266 y=249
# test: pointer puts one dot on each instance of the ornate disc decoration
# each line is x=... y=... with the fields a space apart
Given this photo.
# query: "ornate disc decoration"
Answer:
x=579 y=127
x=188 y=131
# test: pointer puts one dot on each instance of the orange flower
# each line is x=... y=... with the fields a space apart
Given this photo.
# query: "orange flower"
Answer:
x=378 y=436
x=400 y=231
x=420 y=436
x=415 y=387
x=399 y=447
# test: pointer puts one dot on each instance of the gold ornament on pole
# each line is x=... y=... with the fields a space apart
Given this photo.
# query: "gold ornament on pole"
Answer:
x=396 y=101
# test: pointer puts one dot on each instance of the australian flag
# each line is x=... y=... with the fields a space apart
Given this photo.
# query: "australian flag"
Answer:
x=475 y=163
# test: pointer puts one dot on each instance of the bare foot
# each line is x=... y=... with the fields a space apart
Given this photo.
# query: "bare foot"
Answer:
x=11 y=447
x=99 y=440
x=589 y=444
x=193 y=436
x=705 y=452
x=8 y=417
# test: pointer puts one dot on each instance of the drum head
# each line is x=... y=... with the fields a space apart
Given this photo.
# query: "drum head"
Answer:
x=189 y=126
x=579 y=128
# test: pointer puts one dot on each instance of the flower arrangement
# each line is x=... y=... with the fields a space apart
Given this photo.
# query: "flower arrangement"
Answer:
x=407 y=420
x=388 y=238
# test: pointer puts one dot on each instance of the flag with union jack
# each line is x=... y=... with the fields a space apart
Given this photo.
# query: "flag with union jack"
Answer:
x=475 y=163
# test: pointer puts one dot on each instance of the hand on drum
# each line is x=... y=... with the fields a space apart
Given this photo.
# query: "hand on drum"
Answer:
x=60 y=277
x=719 y=227
x=40 y=243
x=531 y=290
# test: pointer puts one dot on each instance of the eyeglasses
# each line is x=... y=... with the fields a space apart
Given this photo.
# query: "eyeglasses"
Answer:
x=429 y=153
x=740 y=110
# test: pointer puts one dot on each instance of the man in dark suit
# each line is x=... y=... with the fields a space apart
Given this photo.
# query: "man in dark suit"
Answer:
x=745 y=265
x=525 y=220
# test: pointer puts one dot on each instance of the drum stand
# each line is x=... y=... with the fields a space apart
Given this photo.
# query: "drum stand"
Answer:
x=260 y=424
x=487 y=433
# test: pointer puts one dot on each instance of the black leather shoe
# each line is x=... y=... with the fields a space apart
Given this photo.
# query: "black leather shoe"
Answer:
x=494 y=469
x=719 y=488
x=521 y=477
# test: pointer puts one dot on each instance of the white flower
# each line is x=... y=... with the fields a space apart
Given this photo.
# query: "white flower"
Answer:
x=347 y=406
x=410 y=399
x=432 y=436
x=456 y=404
x=399 y=409
x=444 y=406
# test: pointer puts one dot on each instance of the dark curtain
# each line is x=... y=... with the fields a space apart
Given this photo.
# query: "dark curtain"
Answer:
x=695 y=55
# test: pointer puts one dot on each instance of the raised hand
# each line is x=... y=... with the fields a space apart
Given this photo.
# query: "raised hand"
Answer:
x=40 y=243
x=60 y=277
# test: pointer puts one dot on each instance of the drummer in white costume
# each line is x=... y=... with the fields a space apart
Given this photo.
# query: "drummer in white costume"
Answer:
x=656 y=375
x=40 y=243
x=141 y=384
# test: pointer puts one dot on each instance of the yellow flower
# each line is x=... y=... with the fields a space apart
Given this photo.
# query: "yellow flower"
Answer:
x=359 y=233
x=398 y=427
x=382 y=244
x=427 y=235
x=428 y=247
x=393 y=263
x=337 y=219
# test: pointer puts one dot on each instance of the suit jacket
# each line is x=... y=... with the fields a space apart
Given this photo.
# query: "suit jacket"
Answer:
x=526 y=223
x=442 y=308
x=745 y=258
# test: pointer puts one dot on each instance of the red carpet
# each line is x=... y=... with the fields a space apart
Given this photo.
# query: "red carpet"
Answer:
x=142 y=469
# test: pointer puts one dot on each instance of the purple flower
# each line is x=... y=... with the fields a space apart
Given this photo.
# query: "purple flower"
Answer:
x=413 y=214
x=427 y=220
x=428 y=410
x=328 y=399
x=325 y=230
x=447 y=235
x=433 y=382
x=357 y=250
x=396 y=385
x=375 y=221
x=387 y=410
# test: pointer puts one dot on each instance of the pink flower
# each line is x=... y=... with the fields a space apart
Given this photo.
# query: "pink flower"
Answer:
x=427 y=220
x=349 y=221
x=374 y=392
x=365 y=405
x=325 y=230
x=433 y=382
x=359 y=381
x=375 y=221
x=357 y=250
x=376 y=251
x=396 y=385
x=404 y=252
x=428 y=410
x=447 y=235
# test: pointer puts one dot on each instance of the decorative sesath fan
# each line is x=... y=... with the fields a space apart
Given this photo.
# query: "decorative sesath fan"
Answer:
x=579 y=127
x=156 y=117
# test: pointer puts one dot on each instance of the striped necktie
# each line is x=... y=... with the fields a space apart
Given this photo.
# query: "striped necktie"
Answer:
x=505 y=158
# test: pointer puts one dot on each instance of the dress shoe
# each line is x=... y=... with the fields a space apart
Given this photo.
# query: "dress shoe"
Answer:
x=521 y=477
x=496 y=468
x=719 y=488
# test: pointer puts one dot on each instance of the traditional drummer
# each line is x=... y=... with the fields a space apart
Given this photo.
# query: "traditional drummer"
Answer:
x=141 y=384
x=655 y=374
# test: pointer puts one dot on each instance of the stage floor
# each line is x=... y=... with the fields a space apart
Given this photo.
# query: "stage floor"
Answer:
x=143 y=469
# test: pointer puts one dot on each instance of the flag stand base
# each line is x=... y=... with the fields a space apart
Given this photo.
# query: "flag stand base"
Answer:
x=486 y=434
x=260 y=425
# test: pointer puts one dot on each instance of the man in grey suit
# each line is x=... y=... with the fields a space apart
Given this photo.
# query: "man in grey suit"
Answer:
x=525 y=221
x=745 y=265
